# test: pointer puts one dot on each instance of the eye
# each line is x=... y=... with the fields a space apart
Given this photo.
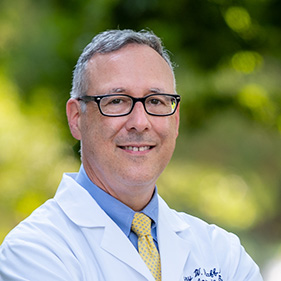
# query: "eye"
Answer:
x=115 y=101
x=155 y=101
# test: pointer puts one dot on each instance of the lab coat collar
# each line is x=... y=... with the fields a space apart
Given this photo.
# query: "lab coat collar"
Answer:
x=77 y=204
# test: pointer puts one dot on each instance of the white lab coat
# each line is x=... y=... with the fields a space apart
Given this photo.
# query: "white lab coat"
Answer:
x=71 y=238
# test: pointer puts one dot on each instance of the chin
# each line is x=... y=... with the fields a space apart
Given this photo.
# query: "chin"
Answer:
x=139 y=179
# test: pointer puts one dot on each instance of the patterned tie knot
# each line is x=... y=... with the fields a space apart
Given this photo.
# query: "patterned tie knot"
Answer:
x=141 y=224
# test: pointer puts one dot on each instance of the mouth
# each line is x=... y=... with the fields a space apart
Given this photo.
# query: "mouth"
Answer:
x=136 y=148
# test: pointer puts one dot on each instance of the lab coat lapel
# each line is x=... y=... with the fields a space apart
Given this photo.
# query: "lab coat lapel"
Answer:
x=174 y=250
x=121 y=247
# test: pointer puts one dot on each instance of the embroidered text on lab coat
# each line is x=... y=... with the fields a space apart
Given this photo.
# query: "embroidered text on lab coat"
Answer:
x=201 y=274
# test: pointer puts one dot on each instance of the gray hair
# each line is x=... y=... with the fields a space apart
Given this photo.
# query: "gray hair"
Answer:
x=110 y=41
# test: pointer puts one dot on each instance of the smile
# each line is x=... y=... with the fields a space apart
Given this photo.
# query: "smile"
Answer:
x=136 y=148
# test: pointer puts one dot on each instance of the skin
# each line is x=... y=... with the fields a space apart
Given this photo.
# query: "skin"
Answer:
x=125 y=155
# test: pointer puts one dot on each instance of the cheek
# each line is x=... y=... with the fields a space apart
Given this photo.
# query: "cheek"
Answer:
x=168 y=130
x=99 y=133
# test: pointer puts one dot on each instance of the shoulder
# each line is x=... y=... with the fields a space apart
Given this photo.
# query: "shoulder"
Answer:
x=37 y=242
x=43 y=241
x=53 y=220
x=46 y=228
x=42 y=221
x=195 y=225
x=219 y=238
x=203 y=233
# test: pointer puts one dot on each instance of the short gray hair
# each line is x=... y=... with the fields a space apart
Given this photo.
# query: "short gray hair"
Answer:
x=110 y=41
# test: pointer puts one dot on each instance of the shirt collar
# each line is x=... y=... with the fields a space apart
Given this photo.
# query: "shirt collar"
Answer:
x=120 y=213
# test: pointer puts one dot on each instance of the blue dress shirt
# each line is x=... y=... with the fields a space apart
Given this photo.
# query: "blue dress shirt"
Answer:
x=120 y=213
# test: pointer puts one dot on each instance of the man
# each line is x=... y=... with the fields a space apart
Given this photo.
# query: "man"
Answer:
x=124 y=110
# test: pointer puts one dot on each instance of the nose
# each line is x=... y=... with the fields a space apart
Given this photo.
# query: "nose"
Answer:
x=138 y=119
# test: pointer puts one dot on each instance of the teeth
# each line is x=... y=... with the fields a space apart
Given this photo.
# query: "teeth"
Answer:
x=134 y=148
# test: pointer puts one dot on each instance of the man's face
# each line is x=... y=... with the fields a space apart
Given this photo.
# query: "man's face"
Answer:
x=125 y=155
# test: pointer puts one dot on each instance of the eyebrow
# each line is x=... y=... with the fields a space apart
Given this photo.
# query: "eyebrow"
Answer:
x=115 y=90
x=156 y=90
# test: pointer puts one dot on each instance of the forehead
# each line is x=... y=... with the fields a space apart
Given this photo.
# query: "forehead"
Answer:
x=133 y=64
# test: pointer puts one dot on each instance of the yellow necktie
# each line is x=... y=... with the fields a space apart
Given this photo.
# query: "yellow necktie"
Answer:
x=141 y=226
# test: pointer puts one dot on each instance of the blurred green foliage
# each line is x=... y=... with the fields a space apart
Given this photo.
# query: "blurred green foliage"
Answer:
x=227 y=165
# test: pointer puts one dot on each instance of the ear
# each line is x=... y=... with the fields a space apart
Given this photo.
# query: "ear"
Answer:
x=73 y=112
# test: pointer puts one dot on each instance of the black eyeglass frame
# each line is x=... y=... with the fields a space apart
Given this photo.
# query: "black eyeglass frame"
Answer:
x=97 y=99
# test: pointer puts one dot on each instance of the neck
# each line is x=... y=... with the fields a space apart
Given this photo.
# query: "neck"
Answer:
x=134 y=196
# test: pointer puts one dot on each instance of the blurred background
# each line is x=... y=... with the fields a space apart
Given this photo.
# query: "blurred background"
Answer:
x=227 y=165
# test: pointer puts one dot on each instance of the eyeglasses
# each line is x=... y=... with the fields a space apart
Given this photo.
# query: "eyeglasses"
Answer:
x=121 y=105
